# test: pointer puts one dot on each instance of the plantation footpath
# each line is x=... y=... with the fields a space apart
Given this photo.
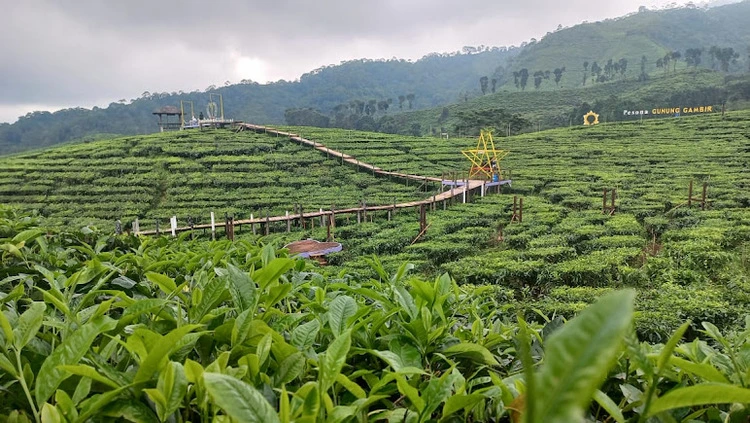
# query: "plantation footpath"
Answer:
x=461 y=188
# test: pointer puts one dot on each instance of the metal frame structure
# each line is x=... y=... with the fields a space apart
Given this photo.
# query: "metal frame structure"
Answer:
x=485 y=159
x=221 y=105
x=182 y=111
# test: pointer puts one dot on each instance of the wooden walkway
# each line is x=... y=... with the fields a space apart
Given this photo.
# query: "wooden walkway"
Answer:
x=458 y=188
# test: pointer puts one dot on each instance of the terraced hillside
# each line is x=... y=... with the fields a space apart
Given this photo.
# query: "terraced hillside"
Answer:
x=184 y=174
x=686 y=262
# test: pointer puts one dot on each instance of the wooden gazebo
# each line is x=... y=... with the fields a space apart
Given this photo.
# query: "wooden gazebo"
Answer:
x=164 y=118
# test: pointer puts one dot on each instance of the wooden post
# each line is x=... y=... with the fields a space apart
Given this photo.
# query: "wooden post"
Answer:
x=213 y=226
x=136 y=227
x=612 y=204
x=422 y=217
x=604 y=202
x=173 y=222
x=301 y=217
x=322 y=217
x=690 y=193
x=466 y=187
x=328 y=230
x=364 y=210
x=288 y=223
x=703 y=197
x=520 y=210
x=192 y=227
x=482 y=190
x=389 y=215
x=157 y=228
x=268 y=224
x=252 y=225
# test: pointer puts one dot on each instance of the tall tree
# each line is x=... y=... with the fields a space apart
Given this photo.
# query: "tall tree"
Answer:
x=714 y=52
x=524 y=73
x=596 y=71
x=494 y=84
x=666 y=59
x=726 y=57
x=483 y=84
x=410 y=99
x=623 y=66
x=558 y=75
x=675 y=56
x=401 y=100
x=643 y=76
x=585 y=71
x=693 y=56
x=538 y=75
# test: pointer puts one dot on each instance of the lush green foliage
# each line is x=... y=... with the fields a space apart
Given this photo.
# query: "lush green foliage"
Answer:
x=94 y=327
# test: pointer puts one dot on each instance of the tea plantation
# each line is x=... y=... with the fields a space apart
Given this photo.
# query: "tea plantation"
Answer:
x=187 y=174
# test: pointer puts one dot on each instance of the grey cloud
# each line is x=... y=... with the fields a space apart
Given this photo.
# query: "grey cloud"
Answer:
x=76 y=52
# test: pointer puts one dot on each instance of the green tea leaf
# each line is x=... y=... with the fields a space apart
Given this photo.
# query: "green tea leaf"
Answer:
x=473 y=351
x=608 y=405
x=272 y=271
x=69 y=352
x=159 y=353
x=704 y=370
x=239 y=400
x=410 y=392
x=303 y=336
x=50 y=414
x=242 y=288
x=165 y=283
x=333 y=360
x=172 y=384
x=241 y=328
x=341 y=309
x=28 y=324
x=578 y=356
x=703 y=394
x=90 y=372
x=290 y=368
x=459 y=402
x=350 y=386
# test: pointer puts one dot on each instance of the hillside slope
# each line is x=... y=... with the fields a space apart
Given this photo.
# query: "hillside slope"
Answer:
x=649 y=34
x=564 y=107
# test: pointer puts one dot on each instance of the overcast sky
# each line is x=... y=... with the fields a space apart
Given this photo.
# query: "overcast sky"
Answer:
x=65 y=53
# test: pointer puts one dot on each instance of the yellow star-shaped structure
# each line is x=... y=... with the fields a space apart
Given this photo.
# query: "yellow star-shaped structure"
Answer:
x=485 y=159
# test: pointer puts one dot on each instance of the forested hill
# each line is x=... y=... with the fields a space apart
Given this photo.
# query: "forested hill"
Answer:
x=717 y=38
x=434 y=80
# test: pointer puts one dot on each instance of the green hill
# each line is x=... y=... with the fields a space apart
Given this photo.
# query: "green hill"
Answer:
x=564 y=107
x=685 y=261
x=187 y=174
x=649 y=34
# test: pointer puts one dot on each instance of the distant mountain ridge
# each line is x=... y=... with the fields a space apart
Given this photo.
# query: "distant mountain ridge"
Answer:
x=433 y=80
x=363 y=93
